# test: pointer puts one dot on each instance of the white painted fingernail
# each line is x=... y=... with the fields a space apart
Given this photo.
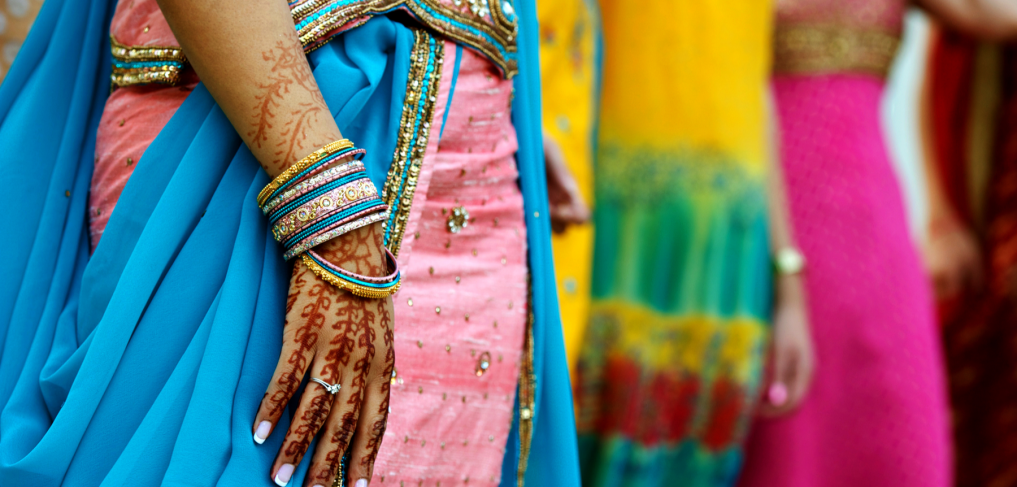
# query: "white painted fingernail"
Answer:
x=362 y=483
x=318 y=485
x=261 y=434
x=282 y=477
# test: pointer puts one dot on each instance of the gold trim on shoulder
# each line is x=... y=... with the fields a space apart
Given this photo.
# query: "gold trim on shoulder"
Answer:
x=823 y=49
x=427 y=57
x=487 y=26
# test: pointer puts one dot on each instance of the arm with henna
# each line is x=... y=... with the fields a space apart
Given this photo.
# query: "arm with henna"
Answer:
x=247 y=54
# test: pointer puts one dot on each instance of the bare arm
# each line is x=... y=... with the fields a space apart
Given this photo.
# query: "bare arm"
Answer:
x=950 y=249
x=986 y=19
x=792 y=360
x=247 y=54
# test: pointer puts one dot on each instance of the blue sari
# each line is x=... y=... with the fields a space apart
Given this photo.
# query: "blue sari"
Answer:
x=144 y=363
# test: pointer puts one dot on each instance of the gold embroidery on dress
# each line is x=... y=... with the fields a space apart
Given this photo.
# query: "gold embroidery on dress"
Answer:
x=527 y=393
x=816 y=49
x=426 y=57
x=488 y=26
x=134 y=65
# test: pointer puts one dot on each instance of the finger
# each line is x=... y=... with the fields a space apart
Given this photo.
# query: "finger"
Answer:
x=297 y=351
x=337 y=434
x=798 y=384
x=315 y=406
x=777 y=394
x=370 y=429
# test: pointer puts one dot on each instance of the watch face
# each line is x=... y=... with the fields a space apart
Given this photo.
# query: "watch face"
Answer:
x=789 y=261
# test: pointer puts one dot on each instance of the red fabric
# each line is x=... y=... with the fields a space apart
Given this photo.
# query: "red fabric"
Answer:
x=981 y=333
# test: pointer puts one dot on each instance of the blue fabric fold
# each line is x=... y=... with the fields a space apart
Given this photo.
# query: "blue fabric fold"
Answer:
x=144 y=363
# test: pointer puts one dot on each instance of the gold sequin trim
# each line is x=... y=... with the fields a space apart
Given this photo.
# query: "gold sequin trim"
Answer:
x=135 y=65
x=414 y=130
x=527 y=393
x=493 y=34
x=822 y=49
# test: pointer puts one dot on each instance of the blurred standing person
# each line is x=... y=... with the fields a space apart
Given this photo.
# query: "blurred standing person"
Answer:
x=672 y=361
x=971 y=246
x=16 y=17
x=569 y=71
x=877 y=411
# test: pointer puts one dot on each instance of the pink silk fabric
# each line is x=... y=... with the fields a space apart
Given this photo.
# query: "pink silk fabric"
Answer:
x=463 y=295
x=876 y=414
x=133 y=116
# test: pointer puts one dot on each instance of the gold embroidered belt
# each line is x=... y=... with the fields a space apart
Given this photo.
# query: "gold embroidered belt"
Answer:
x=824 y=49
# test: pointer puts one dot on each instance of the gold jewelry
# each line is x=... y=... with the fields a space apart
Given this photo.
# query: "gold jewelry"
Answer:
x=352 y=287
x=300 y=166
x=788 y=261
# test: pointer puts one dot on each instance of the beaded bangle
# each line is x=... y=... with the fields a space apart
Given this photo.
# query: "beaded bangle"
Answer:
x=356 y=284
x=321 y=178
x=322 y=209
x=291 y=172
x=313 y=202
x=341 y=225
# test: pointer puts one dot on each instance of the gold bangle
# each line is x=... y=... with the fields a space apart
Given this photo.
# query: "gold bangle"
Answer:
x=788 y=261
x=353 y=288
x=300 y=165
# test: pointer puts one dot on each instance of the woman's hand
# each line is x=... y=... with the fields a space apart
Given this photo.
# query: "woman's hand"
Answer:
x=792 y=360
x=341 y=339
x=953 y=259
x=566 y=202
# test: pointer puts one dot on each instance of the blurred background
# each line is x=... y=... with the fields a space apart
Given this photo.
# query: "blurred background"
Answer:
x=693 y=148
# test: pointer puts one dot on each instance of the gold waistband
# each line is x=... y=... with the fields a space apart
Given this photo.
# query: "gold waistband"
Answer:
x=823 y=49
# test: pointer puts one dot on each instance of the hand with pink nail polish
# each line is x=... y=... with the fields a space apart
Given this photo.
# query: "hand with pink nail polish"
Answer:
x=791 y=357
x=340 y=339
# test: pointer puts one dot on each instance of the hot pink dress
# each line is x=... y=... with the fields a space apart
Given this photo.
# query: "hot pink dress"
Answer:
x=877 y=411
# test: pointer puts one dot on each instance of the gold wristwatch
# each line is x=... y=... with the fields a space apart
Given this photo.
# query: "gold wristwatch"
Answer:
x=788 y=261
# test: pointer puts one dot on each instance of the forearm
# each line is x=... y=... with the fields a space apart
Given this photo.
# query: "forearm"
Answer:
x=247 y=54
x=788 y=286
x=986 y=19
x=941 y=212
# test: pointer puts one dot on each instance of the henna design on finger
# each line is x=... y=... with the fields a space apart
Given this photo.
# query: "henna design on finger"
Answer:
x=378 y=428
x=316 y=299
x=309 y=424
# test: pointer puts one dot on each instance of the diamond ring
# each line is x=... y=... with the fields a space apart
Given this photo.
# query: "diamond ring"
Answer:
x=331 y=388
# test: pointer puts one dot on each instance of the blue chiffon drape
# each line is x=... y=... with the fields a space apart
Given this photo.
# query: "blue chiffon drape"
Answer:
x=143 y=364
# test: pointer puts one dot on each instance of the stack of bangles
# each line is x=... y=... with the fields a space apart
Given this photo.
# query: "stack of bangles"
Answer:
x=316 y=200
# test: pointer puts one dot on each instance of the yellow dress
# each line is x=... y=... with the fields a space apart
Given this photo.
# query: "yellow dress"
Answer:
x=569 y=70
x=670 y=367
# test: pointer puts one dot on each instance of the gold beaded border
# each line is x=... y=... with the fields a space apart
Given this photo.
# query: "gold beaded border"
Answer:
x=496 y=38
x=527 y=392
x=422 y=87
x=172 y=59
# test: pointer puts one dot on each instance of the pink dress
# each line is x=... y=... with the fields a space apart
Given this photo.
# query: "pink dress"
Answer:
x=877 y=411
x=461 y=313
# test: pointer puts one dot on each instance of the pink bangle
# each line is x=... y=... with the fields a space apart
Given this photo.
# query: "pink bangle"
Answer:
x=321 y=207
x=361 y=219
x=393 y=263
x=320 y=179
